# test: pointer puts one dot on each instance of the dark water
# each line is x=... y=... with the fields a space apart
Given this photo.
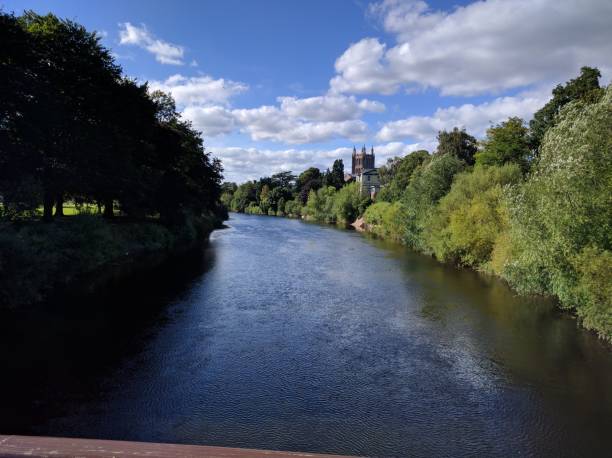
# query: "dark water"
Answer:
x=286 y=335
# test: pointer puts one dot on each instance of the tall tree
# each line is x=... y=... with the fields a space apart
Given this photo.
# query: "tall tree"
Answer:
x=457 y=143
x=71 y=67
x=507 y=142
x=309 y=179
x=336 y=177
x=397 y=174
x=585 y=86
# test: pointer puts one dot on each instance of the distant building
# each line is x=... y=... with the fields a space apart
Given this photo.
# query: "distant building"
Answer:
x=369 y=183
x=362 y=161
x=364 y=172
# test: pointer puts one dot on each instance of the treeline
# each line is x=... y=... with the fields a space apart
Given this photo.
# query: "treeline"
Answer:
x=72 y=126
x=318 y=196
x=529 y=203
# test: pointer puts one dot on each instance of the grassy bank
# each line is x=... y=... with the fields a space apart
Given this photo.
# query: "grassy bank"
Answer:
x=37 y=259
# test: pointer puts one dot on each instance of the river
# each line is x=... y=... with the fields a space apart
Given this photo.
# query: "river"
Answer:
x=295 y=336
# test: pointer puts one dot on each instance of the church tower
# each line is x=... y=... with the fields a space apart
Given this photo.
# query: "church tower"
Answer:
x=362 y=161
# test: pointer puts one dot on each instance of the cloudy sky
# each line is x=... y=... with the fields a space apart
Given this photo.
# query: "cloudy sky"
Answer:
x=286 y=84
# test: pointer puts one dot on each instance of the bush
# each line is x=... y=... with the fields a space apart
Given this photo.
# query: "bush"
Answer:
x=330 y=206
x=430 y=182
x=385 y=220
x=36 y=258
x=466 y=223
x=319 y=206
x=349 y=204
x=253 y=209
x=561 y=218
x=293 y=208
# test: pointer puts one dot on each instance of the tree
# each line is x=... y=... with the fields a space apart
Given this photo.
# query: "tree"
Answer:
x=457 y=143
x=72 y=71
x=507 y=142
x=264 y=198
x=276 y=195
x=585 y=86
x=397 y=174
x=429 y=183
x=309 y=179
x=284 y=179
x=72 y=126
x=245 y=194
x=561 y=218
x=335 y=178
x=20 y=187
x=467 y=222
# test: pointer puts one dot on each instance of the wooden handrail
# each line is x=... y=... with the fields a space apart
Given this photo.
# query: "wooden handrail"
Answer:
x=34 y=446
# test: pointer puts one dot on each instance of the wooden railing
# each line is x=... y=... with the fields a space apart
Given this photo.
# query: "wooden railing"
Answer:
x=33 y=446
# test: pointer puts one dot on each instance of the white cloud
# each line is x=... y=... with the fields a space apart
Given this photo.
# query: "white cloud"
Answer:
x=386 y=151
x=293 y=121
x=164 y=52
x=474 y=118
x=271 y=123
x=308 y=120
x=199 y=90
x=211 y=121
x=328 y=107
x=485 y=47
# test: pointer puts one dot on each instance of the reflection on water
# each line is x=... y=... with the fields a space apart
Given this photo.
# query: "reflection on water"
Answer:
x=285 y=335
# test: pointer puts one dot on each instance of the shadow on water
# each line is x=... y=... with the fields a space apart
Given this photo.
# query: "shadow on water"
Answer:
x=65 y=348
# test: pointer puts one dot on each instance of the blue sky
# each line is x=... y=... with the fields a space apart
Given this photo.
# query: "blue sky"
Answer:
x=283 y=84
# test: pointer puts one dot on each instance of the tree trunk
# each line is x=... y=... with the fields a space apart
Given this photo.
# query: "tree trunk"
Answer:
x=59 y=204
x=47 y=206
x=108 y=208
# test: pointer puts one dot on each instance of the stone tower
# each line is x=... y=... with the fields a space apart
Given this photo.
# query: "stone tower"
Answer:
x=362 y=161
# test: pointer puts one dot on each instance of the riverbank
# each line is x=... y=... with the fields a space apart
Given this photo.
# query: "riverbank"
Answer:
x=85 y=252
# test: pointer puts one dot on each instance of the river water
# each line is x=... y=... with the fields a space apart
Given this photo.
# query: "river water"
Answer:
x=294 y=336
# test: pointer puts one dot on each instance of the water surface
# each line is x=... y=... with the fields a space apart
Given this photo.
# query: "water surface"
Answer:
x=293 y=336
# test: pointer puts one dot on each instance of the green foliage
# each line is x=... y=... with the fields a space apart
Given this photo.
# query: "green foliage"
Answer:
x=457 y=143
x=349 y=204
x=585 y=87
x=320 y=205
x=335 y=178
x=429 y=183
x=385 y=220
x=467 y=222
x=293 y=208
x=395 y=175
x=308 y=180
x=254 y=209
x=280 y=207
x=35 y=259
x=243 y=196
x=330 y=206
x=71 y=126
x=506 y=143
x=593 y=289
x=562 y=215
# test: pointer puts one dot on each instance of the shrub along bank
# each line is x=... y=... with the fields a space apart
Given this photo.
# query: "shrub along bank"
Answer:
x=39 y=259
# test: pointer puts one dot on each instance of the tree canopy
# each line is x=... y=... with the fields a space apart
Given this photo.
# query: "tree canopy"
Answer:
x=72 y=126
